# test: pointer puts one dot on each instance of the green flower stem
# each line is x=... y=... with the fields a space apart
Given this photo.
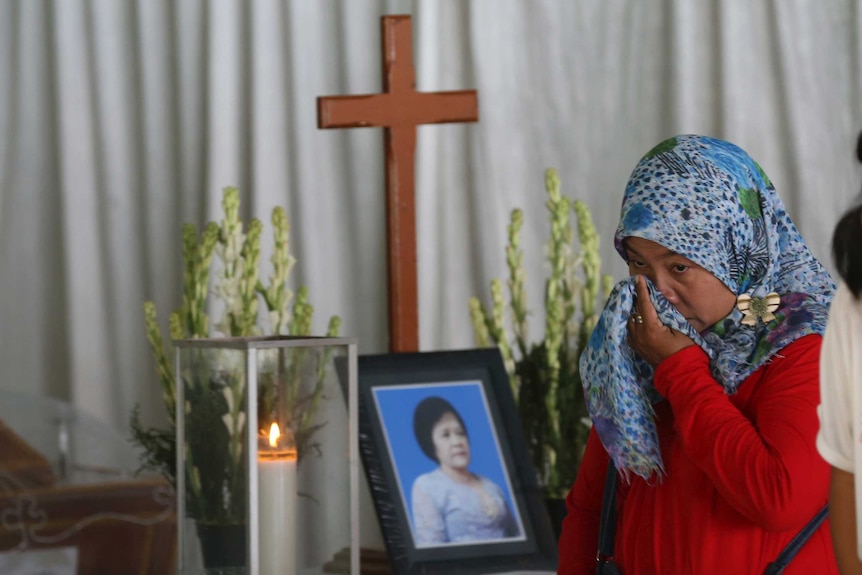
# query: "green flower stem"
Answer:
x=230 y=249
x=303 y=312
x=591 y=265
x=248 y=281
x=235 y=416
x=517 y=293
x=165 y=373
x=197 y=259
x=320 y=378
x=300 y=324
x=591 y=262
x=555 y=297
x=214 y=463
x=478 y=317
x=496 y=325
x=277 y=296
x=175 y=326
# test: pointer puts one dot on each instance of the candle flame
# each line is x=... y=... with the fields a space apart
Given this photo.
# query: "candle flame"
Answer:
x=274 y=434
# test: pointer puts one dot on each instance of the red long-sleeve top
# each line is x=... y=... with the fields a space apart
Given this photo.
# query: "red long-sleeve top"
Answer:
x=743 y=476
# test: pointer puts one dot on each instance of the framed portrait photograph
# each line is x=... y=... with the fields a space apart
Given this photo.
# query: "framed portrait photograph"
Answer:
x=451 y=480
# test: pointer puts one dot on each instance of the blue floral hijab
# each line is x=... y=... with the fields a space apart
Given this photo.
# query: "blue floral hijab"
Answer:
x=707 y=200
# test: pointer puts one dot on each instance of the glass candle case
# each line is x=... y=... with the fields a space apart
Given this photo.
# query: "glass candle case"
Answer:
x=266 y=442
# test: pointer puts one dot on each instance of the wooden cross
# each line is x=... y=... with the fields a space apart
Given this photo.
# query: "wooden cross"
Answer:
x=399 y=109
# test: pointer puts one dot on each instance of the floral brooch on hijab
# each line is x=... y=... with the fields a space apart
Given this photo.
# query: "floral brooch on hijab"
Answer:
x=753 y=307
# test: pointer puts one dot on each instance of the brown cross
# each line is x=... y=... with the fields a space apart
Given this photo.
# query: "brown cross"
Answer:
x=399 y=109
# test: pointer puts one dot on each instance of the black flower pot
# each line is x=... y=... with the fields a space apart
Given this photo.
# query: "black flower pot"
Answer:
x=222 y=545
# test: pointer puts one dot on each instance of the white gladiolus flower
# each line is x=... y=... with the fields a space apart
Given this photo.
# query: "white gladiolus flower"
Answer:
x=220 y=277
x=548 y=368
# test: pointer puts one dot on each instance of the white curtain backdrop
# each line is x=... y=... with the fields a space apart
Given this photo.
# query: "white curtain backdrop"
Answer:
x=120 y=121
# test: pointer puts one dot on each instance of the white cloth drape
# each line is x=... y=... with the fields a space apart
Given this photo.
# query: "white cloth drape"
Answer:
x=119 y=121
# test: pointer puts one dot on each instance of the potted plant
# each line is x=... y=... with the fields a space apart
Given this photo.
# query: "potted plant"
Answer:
x=215 y=468
x=544 y=374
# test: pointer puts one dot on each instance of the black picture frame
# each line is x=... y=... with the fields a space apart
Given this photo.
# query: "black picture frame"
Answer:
x=474 y=380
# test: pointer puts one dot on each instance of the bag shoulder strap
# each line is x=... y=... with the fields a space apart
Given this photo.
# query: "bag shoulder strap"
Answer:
x=792 y=548
x=608 y=518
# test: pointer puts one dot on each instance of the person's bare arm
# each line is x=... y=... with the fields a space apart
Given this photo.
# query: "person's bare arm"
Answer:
x=842 y=520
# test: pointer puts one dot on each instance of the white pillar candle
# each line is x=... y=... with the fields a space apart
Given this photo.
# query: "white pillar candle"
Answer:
x=276 y=472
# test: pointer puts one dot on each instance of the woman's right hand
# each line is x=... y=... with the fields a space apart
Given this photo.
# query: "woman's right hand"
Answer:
x=648 y=336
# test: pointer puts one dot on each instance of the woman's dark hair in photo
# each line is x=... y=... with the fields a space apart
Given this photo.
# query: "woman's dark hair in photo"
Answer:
x=429 y=411
x=847 y=243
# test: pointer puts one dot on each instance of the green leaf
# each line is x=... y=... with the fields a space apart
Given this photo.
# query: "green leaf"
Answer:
x=661 y=148
x=750 y=200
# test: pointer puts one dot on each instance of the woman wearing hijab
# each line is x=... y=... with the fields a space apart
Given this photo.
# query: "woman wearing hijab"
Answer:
x=701 y=377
